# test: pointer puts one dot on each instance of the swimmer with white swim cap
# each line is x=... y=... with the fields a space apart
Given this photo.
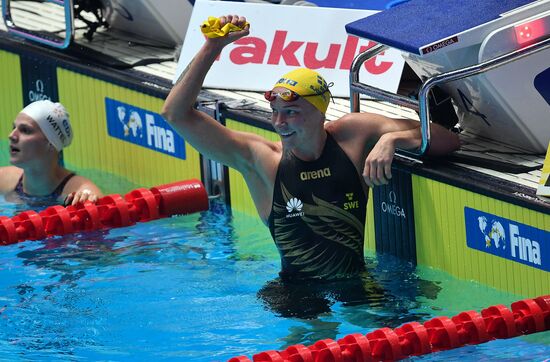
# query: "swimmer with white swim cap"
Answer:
x=40 y=132
x=53 y=120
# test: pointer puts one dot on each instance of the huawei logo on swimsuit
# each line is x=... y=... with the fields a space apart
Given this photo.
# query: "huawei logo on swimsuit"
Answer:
x=313 y=175
x=294 y=207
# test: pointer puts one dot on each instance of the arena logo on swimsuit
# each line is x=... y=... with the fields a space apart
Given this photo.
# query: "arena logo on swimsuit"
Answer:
x=313 y=175
x=143 y=128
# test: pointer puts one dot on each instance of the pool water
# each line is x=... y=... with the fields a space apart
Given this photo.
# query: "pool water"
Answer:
x=203 y=287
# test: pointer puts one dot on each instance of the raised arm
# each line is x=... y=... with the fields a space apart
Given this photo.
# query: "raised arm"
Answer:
x=199 y=129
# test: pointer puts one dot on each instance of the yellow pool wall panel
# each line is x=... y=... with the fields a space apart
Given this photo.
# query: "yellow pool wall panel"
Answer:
x=370 y=237
x=11 y=102
x=93 y=148
x=441 y=238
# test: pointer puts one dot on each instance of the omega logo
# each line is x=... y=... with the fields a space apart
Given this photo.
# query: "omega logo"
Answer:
x=394 y=198
x=391 y=207
x=38 y=93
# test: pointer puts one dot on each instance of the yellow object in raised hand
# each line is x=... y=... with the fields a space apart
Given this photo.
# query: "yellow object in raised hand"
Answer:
x=211 y=28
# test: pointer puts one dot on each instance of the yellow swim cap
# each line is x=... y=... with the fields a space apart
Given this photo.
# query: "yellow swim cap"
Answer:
x=307 y=82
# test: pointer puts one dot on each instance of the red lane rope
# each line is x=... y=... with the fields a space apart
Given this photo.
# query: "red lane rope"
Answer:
x=110 y=211
x=414 y=339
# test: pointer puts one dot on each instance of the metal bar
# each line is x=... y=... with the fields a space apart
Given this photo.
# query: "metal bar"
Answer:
x=354 y=72
x=33 y=35
x=422 y=105
x=385 y=96
x=356 y=87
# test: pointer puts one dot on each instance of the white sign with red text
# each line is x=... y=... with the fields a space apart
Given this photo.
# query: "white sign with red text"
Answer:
x=283 y=38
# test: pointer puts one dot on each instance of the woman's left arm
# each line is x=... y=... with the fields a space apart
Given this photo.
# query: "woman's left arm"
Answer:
x=385 y=134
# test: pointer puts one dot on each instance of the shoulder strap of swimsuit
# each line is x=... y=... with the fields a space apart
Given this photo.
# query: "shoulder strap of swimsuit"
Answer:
x=59 y=189
x=19 y=187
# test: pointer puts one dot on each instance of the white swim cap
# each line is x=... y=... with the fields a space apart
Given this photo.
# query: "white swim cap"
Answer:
x=53 y=120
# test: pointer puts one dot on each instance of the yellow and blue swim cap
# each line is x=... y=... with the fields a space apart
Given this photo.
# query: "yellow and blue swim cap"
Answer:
x=306 y=82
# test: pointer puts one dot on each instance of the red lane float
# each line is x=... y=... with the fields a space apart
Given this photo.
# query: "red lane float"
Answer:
x=112 y=211
x=413 y=339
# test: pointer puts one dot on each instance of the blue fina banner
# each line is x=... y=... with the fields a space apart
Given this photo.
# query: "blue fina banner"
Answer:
x=142 y=127
x=507 y=239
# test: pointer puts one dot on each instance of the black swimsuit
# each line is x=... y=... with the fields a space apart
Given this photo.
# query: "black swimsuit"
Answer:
x=318 y=216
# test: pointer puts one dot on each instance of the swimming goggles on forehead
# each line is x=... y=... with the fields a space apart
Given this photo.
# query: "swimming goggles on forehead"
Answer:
x=290 y=96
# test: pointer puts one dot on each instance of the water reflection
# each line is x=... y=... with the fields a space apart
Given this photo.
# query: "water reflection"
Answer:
x=72 y=253
x=388 y=294
x=310 y=299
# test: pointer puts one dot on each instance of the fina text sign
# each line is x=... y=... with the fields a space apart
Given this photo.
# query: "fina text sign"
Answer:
x=143 y=128
x=507 y=239
x=290 y=37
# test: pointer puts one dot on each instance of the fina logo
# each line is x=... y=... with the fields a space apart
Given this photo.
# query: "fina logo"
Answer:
x=134 y=123
x=495 y=234
x=142 y=127
x=296 y=205
x=391 y=206
x=38 y=94
x=520 y=247
x=157 y=137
